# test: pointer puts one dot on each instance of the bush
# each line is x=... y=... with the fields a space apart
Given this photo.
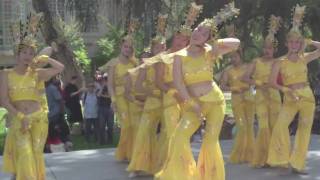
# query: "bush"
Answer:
x=108 y=46
x=71 y=32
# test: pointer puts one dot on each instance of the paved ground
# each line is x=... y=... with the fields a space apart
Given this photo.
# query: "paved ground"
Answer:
x=100 y=165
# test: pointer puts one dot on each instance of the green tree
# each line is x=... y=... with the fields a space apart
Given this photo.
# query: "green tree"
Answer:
x=71 y=31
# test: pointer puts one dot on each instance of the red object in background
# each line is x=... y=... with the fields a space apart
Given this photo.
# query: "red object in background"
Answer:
x=279 y=79
x=54 y=140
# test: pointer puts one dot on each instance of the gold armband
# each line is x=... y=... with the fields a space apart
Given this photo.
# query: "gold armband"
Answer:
x=20 y=116
x=42 y=58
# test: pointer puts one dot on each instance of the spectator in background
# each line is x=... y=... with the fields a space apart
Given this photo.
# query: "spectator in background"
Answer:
x=90 y=105
x=72 y=98
x=58 y=127
x=98 y=80
x=317 y=90
x=105 y=113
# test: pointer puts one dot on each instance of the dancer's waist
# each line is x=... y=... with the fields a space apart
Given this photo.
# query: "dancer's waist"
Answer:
x=200 y=89
x=27 y=107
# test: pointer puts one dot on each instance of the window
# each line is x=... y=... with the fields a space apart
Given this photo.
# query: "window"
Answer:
x=57 y=7
x=10 y=11
x=1 y=36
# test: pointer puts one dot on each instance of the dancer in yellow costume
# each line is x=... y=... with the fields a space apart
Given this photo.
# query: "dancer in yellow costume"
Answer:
x=164 y=80
x=267 y=99
x=136 y=100
x=193 y=78
x=298 y=98
x=242 y=107
x=117 y=71
x=145 y=149
x=23 y=155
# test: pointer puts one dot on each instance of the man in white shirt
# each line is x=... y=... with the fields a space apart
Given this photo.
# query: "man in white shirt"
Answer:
x=90 y=105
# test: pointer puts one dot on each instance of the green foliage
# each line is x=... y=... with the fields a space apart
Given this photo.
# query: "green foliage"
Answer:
x=138 y=40
x=71 y=32
x=3 y=113
x=176 y=10
x=109 y=45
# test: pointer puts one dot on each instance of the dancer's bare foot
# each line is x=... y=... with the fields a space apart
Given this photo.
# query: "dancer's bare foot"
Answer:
x=266 y=166
x=133 y=174
x=137 y=174
x=300 y=172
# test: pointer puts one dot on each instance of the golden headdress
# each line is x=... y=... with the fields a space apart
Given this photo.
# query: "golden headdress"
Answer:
x=191 y=17
x=160 y=29
x=226 y=13
x=297 y=19
x=274 y=25
x=132 y=27
x=24 y=34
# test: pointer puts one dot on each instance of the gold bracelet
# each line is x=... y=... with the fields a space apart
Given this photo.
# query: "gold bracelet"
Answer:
x=308 y=41
x=113 y=98
x=20 y=116
x=189 y=103
x=285 y=89
x=258 y=82
x=42 y=58
x=220 y=42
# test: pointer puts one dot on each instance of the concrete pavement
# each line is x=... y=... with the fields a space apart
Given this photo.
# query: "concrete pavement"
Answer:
x=100 y=165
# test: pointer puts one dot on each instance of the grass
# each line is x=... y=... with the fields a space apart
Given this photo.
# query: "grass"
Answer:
x=228 y=108
x=80 y=143
x=2 y=129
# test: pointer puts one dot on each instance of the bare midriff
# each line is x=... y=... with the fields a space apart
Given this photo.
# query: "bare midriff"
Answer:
x=199 y=89
x=27 y=106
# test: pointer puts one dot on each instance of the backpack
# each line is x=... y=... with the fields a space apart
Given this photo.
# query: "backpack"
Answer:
x=84 y=98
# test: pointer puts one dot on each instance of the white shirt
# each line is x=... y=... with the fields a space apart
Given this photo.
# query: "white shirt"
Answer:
x=90 y=104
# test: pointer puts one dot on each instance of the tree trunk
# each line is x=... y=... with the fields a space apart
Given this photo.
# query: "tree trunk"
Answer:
x=65 y=54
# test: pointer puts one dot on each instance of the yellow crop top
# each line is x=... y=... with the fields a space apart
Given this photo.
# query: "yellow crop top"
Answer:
x=262 y=70
x=120 y=71
x=196 y=70
x=168 y=73
x=235 y=75
x=293 y=72
x=22 y=87
x=150 y=80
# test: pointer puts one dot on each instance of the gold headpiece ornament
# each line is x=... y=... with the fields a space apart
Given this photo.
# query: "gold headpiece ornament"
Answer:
x=226 y=13
x=297 y=19
x=24 y=34
x=132 y=28
x=274 y=25
x=160 y=29
x=191 y=18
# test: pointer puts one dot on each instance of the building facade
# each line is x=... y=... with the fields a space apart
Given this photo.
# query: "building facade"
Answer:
x=11 y=10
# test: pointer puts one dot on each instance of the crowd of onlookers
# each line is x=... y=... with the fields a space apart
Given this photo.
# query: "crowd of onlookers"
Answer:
x=85 y=111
